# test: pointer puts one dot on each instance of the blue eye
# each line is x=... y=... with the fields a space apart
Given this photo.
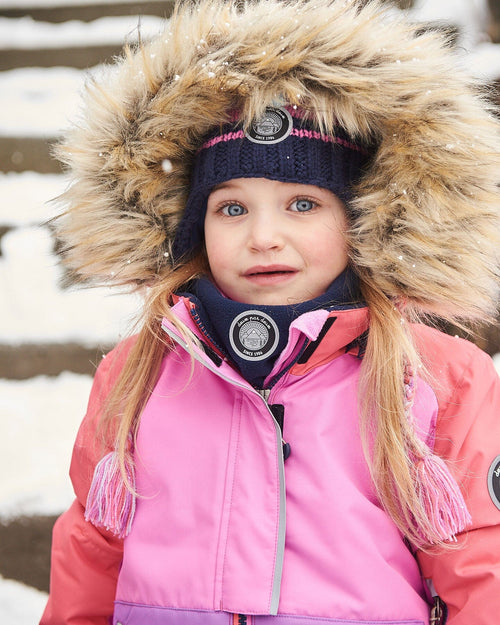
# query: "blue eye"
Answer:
x=233 y=210
x=303 y=205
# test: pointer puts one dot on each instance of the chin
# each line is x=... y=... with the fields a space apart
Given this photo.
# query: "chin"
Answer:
x=277 y=300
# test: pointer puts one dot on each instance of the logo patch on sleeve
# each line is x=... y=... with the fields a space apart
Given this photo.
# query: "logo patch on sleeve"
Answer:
x=253 y=335
x=494 y=481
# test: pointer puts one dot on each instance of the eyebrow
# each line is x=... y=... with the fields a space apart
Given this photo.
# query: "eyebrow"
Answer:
x=222 y=185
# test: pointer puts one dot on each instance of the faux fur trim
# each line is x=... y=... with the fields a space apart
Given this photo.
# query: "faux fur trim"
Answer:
x=428 y=206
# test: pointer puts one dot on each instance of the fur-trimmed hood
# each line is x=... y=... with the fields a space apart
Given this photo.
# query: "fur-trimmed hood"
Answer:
x=427 y=225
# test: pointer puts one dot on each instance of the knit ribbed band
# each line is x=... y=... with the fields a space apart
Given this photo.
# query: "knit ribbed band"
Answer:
x=283 y=146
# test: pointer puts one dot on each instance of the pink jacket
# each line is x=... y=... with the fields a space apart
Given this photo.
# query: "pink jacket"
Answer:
x=225 y=527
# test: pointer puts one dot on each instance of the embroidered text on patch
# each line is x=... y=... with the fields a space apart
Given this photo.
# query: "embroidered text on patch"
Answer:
x=253 y=335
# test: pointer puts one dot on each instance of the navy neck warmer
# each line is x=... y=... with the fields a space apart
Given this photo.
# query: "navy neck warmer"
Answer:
x=253 y=336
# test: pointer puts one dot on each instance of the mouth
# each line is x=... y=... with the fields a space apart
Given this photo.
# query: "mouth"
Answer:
x=270 y=275
x=272 y=270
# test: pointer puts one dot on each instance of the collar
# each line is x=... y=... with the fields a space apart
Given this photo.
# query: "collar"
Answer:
x=257 y=339
x=318 y=336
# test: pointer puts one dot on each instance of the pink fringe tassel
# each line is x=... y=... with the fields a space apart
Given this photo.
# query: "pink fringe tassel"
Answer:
x=441 y=498
x=438 y=491
x=110 y=504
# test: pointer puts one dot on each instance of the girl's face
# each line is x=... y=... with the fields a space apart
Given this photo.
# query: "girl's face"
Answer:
x=272 y=242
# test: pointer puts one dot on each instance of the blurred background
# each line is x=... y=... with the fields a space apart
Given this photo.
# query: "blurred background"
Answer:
x=51 y=339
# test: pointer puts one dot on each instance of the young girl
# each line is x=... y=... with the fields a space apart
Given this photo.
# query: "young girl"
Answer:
x=298 y=186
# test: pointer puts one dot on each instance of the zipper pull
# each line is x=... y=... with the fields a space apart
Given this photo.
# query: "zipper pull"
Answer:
x=278 y=412
x=286 y=450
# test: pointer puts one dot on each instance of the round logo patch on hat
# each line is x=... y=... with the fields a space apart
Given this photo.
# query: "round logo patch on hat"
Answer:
x=274 y=126
x=253 y=335
x=494 y=481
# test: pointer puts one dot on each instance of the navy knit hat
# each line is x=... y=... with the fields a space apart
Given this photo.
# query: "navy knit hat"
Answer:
x=282 y=145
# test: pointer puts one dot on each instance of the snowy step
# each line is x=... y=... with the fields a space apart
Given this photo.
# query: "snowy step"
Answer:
x=26 y=198
x=39 y=420
x=86 y=10
x=25 y=42
x=71 y=57
x=36 y=104
x=21 y=362
x=35 y=309
x=27 y=33
x=19 y=154
x=39 y=102
x=25 y=551
x=19 y=603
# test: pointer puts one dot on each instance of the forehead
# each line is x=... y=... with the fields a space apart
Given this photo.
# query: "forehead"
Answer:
x=267 y=185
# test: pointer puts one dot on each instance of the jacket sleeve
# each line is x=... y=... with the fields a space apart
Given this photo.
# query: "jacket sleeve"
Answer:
x=468 y=437
x=85 y=561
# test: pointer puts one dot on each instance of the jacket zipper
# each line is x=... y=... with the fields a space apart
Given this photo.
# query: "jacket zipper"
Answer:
x=263 y=395
x=242 y=619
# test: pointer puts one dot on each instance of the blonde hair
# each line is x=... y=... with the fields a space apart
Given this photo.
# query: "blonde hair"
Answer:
x=130 y=393
x=391 y=445
x=389 y=440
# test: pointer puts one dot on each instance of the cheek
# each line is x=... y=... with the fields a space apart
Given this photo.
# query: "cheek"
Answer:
x=332 y=257
x=213 y=255
x=219 y=253
x=329 y=243
x=212 y=238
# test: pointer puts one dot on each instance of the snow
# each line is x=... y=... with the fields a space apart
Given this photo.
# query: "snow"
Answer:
x=26 y=33
x=26 y=197
x=43 y=415
x=39 y=417
x=29 y=4
x=38 y=102
x=30 y=275
x=36 y=309
x=19 y=604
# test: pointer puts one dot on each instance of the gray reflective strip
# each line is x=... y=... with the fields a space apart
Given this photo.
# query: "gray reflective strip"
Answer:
x=280 y=546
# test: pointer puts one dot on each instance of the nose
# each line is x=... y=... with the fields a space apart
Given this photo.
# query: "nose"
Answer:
x=266 y=232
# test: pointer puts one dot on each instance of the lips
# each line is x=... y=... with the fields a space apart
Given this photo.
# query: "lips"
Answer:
x=270 y=275
x=269 y=270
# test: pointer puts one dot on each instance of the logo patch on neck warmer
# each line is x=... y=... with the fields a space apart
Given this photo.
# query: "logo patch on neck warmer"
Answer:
x=253 y=335
x=494 y=481
x=273 y=127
